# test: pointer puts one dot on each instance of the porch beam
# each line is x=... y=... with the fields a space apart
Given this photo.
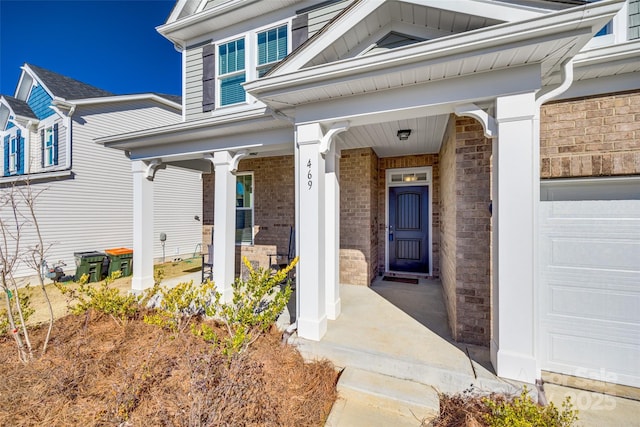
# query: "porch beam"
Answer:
x=224 y=220
x=515 y=214
x=435 y=97
x=142 y=227
x=310 y=229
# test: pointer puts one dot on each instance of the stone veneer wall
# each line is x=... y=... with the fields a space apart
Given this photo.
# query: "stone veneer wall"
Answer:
x=358 y=216
x=595 y=136
x=465 y=169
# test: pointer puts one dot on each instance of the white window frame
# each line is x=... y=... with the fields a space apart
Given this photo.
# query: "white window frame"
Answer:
x=220 y=77
x=49 y=148
x=13 y=153
x=258 y=66
x=251 y=208
x=250 y=60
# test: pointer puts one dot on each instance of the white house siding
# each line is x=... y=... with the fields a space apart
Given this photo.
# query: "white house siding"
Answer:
x=193 y=85
x=92 y=210
x=176 y=207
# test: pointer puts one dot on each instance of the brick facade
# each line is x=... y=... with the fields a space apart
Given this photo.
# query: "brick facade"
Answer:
x=465 y=160
x=358 y=216
x=588 y=137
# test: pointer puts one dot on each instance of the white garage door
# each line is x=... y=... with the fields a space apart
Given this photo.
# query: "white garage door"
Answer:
x=589 y=295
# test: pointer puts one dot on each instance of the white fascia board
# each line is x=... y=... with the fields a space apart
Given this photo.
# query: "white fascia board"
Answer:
x=485 y=8
x=492 y=37
x=177 y=9
x=173 y=132
x=608 y=54
x=122 y=98
x=171 y=30
x=34 y=76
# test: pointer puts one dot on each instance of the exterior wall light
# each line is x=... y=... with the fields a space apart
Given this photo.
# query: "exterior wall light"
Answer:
x=403 y=134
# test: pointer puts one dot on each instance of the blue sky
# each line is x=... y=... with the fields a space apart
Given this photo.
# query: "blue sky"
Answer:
x=110 y=44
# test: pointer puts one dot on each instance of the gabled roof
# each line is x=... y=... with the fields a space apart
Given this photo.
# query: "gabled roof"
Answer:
x=19 y=108
x=66 y=87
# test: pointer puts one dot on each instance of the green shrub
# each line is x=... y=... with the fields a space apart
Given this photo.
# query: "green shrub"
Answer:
x=522 y=411
x=102 y=298
x=178 y=304
x=25 y=306
x=257 y=303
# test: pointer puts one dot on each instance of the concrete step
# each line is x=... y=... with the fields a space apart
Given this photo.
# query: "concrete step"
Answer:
x=372 y=399
x=441 y=379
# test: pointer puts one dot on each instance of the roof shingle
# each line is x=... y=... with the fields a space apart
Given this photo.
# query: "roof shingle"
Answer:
x=66 y=87
x=20 y=108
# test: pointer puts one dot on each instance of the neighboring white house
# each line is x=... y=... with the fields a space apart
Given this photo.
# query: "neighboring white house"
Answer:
x=411 y=136
x=48 y=131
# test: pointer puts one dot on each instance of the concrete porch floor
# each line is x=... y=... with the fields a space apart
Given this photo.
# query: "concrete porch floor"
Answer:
x=394 y=344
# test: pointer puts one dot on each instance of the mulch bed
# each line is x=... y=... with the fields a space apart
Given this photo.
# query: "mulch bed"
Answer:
x=97 y=373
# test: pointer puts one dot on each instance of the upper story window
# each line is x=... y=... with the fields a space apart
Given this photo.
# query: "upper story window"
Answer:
x=231 y=72
x=272 y=47
x=244 y=58
x=48 y=146
x=13 y=155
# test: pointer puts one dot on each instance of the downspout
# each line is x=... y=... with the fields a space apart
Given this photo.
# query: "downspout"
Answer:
x=544 y=96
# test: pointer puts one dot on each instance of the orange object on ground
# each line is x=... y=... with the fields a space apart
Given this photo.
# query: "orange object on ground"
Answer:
x=118 y=251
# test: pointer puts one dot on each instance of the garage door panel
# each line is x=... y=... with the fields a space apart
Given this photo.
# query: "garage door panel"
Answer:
x=573 y=355
x=594 y=304
x=595 y=254
x=589 y=294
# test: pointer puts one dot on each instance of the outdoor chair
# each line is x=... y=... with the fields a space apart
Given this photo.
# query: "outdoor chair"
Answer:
x=207 y=264
x=283 y=259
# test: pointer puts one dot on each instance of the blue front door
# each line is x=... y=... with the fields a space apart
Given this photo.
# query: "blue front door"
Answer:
x=409 y=229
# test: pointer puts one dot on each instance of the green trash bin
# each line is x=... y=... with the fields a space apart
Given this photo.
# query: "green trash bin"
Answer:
x=89 y=263
x=120 y=259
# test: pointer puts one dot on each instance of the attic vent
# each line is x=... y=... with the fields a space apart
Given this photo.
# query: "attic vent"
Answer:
x=391 y=41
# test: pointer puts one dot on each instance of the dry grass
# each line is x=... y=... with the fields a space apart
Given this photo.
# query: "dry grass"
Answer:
x=170 y=270
x=99 y=374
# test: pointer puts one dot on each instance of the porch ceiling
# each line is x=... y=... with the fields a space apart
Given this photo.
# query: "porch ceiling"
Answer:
x=426 y=136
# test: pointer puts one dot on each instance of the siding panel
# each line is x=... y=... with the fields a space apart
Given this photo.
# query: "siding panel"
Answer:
x=193 y=83
x=92 y=210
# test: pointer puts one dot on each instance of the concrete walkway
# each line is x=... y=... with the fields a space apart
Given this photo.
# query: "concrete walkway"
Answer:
x=394 y=345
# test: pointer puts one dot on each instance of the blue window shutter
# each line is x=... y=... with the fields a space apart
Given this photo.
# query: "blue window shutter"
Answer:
x=7 y=142
x=55 y=144
x=42 y=145
x=208 y=78
x=20 y=153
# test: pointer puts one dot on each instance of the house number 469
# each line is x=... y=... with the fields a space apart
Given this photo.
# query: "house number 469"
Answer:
x=309 y=175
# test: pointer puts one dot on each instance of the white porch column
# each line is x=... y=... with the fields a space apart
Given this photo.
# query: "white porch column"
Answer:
x=224 y=224
x=142 y=227
x=310 y=183
x=515 y=211
x=332 y=231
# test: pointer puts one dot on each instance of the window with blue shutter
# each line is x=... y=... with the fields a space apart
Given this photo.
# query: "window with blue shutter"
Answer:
x=272 y=47
x=7 y=144
x=49 y=146
x=231 y=72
